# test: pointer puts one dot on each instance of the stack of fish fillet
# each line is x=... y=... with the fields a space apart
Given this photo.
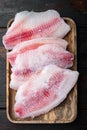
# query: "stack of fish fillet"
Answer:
x=39 y=62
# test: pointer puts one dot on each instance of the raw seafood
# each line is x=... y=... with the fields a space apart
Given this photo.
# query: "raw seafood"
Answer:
x=30 y=25
x=44 y=93
x=16 y=81
x=29 y=62
x=45 y=89
x=33 y=44
x=44 y=55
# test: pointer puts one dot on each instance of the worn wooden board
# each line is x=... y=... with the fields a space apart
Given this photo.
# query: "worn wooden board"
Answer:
x=66 y=112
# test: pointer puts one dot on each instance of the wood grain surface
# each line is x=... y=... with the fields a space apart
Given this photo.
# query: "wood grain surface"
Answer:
x=66 y=112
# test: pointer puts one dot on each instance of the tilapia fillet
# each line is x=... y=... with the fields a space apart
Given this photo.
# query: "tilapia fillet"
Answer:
x=29 y=62
x=30 y=25
x=33 y=44
x=45 y=89
x=42 y=56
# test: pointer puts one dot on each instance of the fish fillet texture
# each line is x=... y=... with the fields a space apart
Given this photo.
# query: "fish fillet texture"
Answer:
x=33 y=44
x=16 y=81
x=46 y=89
x=29 y=62
x=44 y=55
x=30 y=25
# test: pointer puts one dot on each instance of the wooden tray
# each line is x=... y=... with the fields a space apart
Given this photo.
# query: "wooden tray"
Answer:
x=66 y=112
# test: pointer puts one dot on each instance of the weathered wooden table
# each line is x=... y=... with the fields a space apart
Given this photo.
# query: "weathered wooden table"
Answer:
x=77 y=10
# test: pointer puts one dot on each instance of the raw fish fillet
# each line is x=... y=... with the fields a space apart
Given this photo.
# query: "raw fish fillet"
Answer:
x=30 y=25
x=42 y=56
x=33 y=44
x=16 y=82
x=29 y=62
x=45 y=89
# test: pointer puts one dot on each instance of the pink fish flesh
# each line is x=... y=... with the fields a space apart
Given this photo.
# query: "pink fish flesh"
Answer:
x=33 y=44
x=45 y=89
x=44 y=55
x=30 y=25
x=29 y=62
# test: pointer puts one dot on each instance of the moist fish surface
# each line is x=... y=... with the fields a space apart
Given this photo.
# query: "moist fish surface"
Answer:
x=28 y=62
x=33 y=44
x=45 y=89
x=30 y=25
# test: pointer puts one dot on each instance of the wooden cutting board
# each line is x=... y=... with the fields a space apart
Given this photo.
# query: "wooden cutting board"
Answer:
x=66 y=112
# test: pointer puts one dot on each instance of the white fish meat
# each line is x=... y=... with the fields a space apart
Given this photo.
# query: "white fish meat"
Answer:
x=45 y=89
x=28 y=62
x=33 y=44
x=30 y=25
x=42 y=56
x=16 y=81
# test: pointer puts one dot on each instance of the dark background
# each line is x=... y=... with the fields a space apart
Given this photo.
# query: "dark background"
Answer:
x=75 y=9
